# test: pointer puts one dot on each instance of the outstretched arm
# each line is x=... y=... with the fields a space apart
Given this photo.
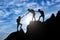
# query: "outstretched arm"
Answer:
x=24 y=15
x=36 y=11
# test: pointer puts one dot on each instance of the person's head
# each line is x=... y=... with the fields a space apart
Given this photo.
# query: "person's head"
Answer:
x=19 y=17
x=38 y=9
x=28 y=9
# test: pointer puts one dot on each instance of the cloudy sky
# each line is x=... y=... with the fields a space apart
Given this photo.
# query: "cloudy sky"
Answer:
x=11 y=9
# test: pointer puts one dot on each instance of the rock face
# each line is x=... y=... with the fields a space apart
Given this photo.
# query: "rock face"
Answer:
x=16 y=35
x=36 y=30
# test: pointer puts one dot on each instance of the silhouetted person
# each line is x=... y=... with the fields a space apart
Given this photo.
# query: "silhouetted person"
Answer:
x=42 y=14
x=33 y=12
x=18 y=22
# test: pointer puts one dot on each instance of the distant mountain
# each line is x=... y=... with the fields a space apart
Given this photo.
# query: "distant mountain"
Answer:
x=37 y=30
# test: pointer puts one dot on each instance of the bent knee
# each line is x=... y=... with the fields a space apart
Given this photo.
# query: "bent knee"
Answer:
x=20 y=24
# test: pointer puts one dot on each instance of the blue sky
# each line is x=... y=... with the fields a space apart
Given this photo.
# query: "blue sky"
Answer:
x=11 y=9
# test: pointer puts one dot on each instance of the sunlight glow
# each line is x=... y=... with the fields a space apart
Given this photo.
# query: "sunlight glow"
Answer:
x=28 y=19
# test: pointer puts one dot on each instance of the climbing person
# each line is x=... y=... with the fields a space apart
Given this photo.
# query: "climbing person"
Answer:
x=32 y=12
x=42 y=14
x=18 y=22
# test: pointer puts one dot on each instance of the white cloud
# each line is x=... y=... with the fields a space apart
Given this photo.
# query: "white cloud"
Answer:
x=2 y=21
x=43 y=3
x=24 y=0
x=57 y=1
x=19 y=4
x=17 y=11
x=57 y=7
x=2 y=13
x=11 y=3
x=32 y=5
x=47 y=15
x=5 y=14
x=48 y=3
x=4 y=3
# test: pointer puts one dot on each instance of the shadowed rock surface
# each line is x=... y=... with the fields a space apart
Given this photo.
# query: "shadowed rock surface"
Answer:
x=16 y=35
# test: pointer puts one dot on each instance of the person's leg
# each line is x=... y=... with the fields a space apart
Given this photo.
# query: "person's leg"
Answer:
x=43 y=18
x=34 y=17
x=21 y=25
x=17 y=26
x=39 y=18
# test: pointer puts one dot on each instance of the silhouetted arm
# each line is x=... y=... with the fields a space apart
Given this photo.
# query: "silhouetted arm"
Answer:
x=36 y=11
x=24 y=15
